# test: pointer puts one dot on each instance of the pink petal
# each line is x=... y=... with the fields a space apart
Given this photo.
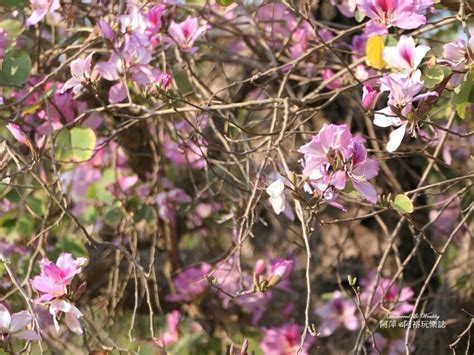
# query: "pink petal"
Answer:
x=117 y=93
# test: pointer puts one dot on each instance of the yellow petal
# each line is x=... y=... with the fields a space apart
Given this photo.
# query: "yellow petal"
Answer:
x=374 y=50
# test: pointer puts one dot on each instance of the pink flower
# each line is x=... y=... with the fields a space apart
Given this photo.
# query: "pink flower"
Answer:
x=107 y=32
x=227 y=278
x=456 y=56
x=81 y=73
x=190 y=283
x=280 y=270
x=15 y=324
x=167 y=201
x=337 y=312
x=405 y=57
x=332 y=157
x=186 y=152
x=403 y=92
x=333 y=85
x=40 y=9
x=71 y=315
x=16 y=131
x=405 y=14
x=389 y=297
x=284 y=340
x=171 y=335
x=346 y=7
x=3 y=45
x=54 y=278
x=370 y=97
x=184 y=34
x=164 y=81
x=444 y=218
x=153 y=17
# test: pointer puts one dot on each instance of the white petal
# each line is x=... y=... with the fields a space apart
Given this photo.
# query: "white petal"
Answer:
x=275 y=188
x=5 y=318
x=396 y=138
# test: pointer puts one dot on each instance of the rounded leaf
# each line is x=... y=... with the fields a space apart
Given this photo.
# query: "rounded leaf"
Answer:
x=403 y=204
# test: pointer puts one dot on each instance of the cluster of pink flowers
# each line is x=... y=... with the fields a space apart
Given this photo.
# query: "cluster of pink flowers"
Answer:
x=54 y=289
x=267 y=276
x=41 y=118
x=404 y=86
x=331 y=159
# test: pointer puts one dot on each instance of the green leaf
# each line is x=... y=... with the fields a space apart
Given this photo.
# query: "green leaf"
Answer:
x=225 y=2
x=16 y=68
x=75 y=145
x=14 y=3
x=403 y=204
x=461 y=92
x=12 y=28
x=73 y=246
x=359 y=16
x=113 y=215
x=83 y=143
x=36 y=206
x=63 y=146
x=433 y=76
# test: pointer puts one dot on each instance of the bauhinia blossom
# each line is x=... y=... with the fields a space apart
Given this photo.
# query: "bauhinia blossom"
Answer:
x=334 y=156
x=276 y=191
x=14 y=325
x=71 y=315
x=285 y=340
x=190 y=283
x=403 y=92
x=81 y=72
x=40 y=9
x=337 y=312
x=386 y=296
x=16 y=131
x=186 y=33
x=457 y=55
x=56 y=277
x=383 y=14
x=406 y=56
x=369 y=97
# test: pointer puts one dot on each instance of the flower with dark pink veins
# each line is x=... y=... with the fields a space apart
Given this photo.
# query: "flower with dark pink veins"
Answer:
x=186 y=33
x=284 y=340
x=14 y=325
x=331 y=158
x=56 y=277
x=336 y=313
x=40 y=9
x=190 y=283
x=406 y=56
x=383 y=14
